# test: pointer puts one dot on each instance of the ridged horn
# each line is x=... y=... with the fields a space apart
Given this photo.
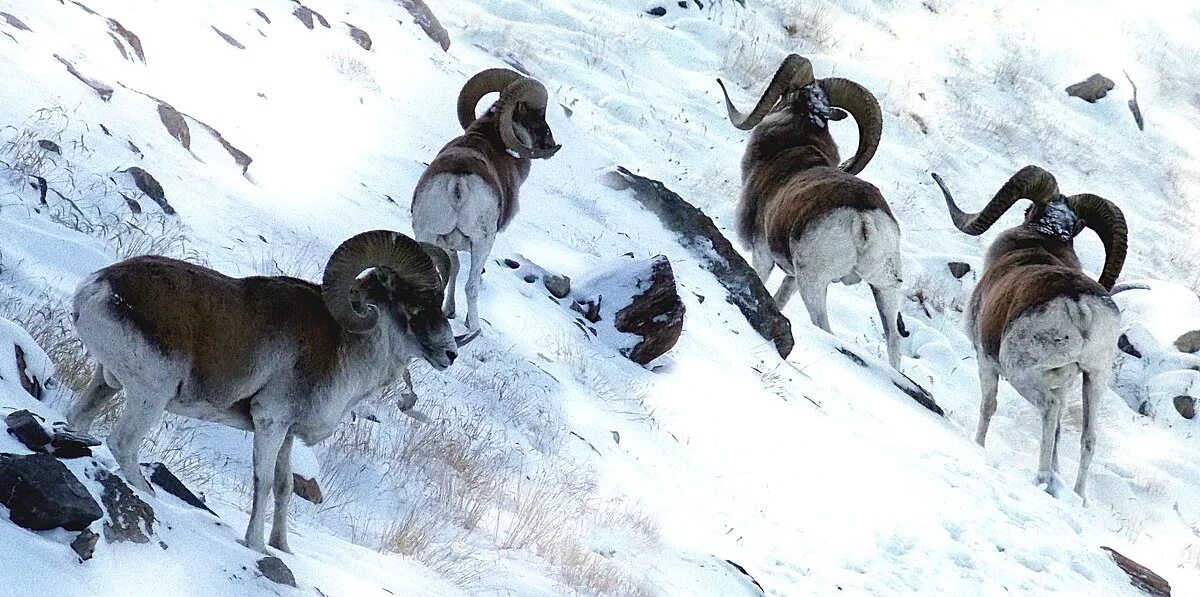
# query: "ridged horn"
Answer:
x=795 y=70
x=524 y=91
x=441 y=261
x=862 y=105
x=1107 y=220
x=492 y=80
x=1030 y=182
x=396 y=252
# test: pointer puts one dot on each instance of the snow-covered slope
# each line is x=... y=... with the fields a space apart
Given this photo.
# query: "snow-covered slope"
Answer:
x=552 y=464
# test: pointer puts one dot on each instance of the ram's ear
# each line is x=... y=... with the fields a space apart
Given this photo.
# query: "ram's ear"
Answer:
x=838 y=114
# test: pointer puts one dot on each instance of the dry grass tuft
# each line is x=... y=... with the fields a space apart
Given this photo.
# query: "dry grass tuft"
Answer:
x=811 y=25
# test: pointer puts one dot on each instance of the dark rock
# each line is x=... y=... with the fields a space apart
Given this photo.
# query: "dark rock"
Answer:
x=14 y=21
x=305 y=14
x=263 y=15
x=714 y=252
x=102 y=89
x=1186 y=405
x=30 y=383
x=229 y=38
x=276 y=571
x=129 y=518
x=919 y=394
x=26 y=427
x=85 y=544
x=743 y=571
x=1189 y=342
x=559 y=286
x=1140 y=576
x=359 y=36
x=1094 y=88
x=120 y=46
x=683 y=4
x=1133 y=106
x=426 y=20
x=68 y=443
x=1127 y=347
x=958 y=269
x=50 y=146
x=130 y=38
x=176 y=125
x=656 y=314
x=42 y=494
x=657 y=11
x=857 y=360
x=309 y=489
x=160 y=475
x=149 y=185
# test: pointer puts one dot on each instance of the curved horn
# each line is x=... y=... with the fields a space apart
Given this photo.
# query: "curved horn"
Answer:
x=862 y=105
x=1105 y=218
x=441 y=261
x=795 y=70
x=375 y=249
x=1030 y=182
x=465 y=339
x=524 y=91
x=485 y=82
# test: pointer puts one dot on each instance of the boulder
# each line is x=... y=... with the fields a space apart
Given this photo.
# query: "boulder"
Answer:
x=158 y=474
x=42 y=494
x=958 y=269
x=359 y=36
x=1188 y=342
x=104 y=90
x=149 y=185
x=276 y=571
x=84 y=544
x=308 y=489
x=1094 y=88
x=428 y=23
x=129 y=517
x=26 y=427
x=656 y=314
x=699 y=235
x=1140 y=576
x=68 y=443
x=1185 y=406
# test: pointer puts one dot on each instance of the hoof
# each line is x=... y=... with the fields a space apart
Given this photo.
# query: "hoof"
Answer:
x=256 y=546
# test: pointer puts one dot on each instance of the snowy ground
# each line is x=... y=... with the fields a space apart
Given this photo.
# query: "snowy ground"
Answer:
x=553 y=464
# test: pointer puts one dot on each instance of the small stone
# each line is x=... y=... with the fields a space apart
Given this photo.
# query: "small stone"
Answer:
x=309 y=489
x=656 y=314
x=360 y=37
x=50 y=146
x=158 y=474
x=85 y=544
x=276 y=571
x=1186 y=405
x=42 y=494
x=68 y=443
x=958 y=269
x=559 y=286
x=1127 y=347
x=1189 y=342
x=149 y=185
x=1094 y=88
x=129 y=517
x=25 y=426
x=657 y=11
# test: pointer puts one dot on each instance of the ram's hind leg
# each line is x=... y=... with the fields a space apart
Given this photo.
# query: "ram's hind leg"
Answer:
x=480 y=248
x=989 y=384
x=887 y=303
x=451 y=284
x=94 y=398
x=1095 y=384
x=283 y=494
x=144 y=407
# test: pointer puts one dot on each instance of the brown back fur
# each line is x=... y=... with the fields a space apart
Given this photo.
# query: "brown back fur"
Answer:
x=790 y=177
x=219 y=321
x=1024 y=269
x=480 y=151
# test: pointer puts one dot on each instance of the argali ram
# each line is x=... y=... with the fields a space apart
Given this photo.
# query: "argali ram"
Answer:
x=469 y=191
x=1035 y=317
x=799 y=210
x=278 y=356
